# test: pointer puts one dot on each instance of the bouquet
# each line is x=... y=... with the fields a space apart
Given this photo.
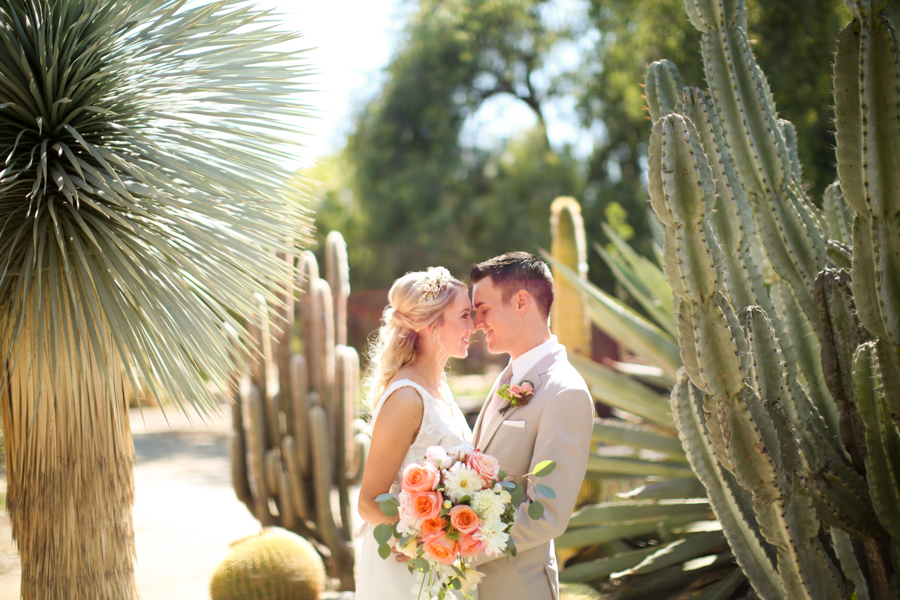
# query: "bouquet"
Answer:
x=454 y=506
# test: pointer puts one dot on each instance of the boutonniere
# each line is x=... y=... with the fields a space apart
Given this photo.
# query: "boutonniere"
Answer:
x=515 y=395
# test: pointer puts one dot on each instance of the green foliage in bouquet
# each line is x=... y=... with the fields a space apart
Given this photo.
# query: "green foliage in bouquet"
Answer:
x=295 y=437
x=390 y=537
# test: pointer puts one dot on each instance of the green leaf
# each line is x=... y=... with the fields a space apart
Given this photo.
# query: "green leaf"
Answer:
x=384 y=551
x=517 y=494
x=511 y=547
x=390 y=508
x=386 y=498
x=501 y=476
x=383 y=533
x=545 y=491
x=536 y=510
x=544 y=468
x=422 y=564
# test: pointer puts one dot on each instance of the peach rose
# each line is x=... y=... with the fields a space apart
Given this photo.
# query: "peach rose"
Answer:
x=433 y=526
x=420 y=478
x=514 y=390
x=426 y=505
x=440 y=548
x=485 y=465
x=469 y=546
x=464 y=519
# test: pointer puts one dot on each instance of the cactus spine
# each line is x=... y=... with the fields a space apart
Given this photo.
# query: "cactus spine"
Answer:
x=781 y=385
x=295 y=437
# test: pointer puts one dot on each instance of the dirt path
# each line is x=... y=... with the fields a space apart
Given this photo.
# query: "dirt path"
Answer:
x=185 y=511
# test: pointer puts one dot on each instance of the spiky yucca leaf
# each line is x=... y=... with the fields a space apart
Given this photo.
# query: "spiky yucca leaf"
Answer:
x=142 y=182
x=141 y=207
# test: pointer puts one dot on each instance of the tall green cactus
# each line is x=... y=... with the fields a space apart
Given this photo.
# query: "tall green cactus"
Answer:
x=569 y=319
x=295 y=434
x=645 y=542
x=794 y=398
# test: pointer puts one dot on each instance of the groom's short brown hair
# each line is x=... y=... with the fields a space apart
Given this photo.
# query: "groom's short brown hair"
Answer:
x=516 y=271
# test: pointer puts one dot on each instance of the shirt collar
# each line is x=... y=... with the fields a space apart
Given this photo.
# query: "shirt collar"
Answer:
x=527 y=360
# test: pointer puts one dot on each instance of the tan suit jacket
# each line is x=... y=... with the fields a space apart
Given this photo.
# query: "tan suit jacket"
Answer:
x=555 y=425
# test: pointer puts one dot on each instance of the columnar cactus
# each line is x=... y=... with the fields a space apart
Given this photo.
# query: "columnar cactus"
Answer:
x=787 y=406
x=569 y=320
x=296 y=437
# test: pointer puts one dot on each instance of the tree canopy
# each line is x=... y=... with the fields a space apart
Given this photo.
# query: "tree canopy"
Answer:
x=415 y=194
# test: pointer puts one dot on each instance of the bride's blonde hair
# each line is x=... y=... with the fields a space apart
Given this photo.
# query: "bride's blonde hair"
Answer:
x=396 y=343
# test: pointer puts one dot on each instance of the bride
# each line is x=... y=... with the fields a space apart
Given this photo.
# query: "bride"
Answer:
x=427 y=321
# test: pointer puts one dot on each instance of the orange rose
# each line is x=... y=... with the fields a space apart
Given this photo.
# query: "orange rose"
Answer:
x=464 y=519
x=426 y=505
x=485 y=465
x=420 y=478
x=433 y=526
x=469 y=546
x=440 y=548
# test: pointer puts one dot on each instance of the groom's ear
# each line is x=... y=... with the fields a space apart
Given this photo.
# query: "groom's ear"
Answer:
x=523 y=301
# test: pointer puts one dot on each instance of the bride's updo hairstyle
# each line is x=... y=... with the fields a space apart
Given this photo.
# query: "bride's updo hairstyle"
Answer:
x=415 y=301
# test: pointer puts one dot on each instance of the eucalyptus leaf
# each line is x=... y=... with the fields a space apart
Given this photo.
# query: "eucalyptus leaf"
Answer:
x=384 y=551
x=545 y=491
x=544 y=468
x=386 y=497
x=383 y=533
x=536 y=510
x=389 y=508
x=517 y=494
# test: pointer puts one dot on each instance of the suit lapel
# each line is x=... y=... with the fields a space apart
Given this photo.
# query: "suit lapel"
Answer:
x=538 y=372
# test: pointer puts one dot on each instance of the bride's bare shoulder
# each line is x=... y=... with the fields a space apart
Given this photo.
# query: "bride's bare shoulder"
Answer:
x=405 y=399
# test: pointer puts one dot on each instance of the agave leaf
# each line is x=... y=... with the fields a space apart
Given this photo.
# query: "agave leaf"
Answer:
x=624 y=325
x=617 y=390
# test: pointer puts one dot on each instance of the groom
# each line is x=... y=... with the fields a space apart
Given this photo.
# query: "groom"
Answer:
x=512 y=294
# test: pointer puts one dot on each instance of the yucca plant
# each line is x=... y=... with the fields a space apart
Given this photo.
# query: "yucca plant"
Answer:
x=141 y=209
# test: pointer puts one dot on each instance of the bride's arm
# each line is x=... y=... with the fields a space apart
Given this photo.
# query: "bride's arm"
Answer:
x=395 y=430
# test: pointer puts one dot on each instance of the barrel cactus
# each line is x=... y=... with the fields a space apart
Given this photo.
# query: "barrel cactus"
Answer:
x=274 y=564
x=296 y=439
x=787 y=402
x=578 y=591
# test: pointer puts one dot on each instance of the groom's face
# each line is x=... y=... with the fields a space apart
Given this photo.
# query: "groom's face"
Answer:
x=498 y=320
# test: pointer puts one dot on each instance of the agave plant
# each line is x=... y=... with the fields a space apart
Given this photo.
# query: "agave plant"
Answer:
x=141 y=209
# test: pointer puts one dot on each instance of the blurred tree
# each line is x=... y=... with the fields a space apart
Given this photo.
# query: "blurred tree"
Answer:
x=423 y=197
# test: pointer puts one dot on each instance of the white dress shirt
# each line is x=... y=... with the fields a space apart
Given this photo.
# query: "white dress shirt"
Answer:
x=524 y=362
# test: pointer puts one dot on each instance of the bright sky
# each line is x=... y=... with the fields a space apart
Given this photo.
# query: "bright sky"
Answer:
x=350 y=41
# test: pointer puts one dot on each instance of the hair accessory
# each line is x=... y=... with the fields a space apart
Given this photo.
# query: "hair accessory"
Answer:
x=436 y=279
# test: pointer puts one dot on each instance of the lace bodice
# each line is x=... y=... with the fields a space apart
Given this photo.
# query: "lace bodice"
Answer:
x=443 y=424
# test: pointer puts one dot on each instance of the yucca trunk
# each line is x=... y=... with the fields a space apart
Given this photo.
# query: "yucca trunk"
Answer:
x=70 y=464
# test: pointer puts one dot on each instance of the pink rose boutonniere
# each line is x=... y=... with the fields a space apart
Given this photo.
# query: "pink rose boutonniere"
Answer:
x=515 y=395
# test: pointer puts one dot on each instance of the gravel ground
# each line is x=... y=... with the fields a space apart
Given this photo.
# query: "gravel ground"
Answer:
x=185 y=511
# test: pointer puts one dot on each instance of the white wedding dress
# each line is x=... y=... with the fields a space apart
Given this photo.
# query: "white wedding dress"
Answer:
x=443 y=424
